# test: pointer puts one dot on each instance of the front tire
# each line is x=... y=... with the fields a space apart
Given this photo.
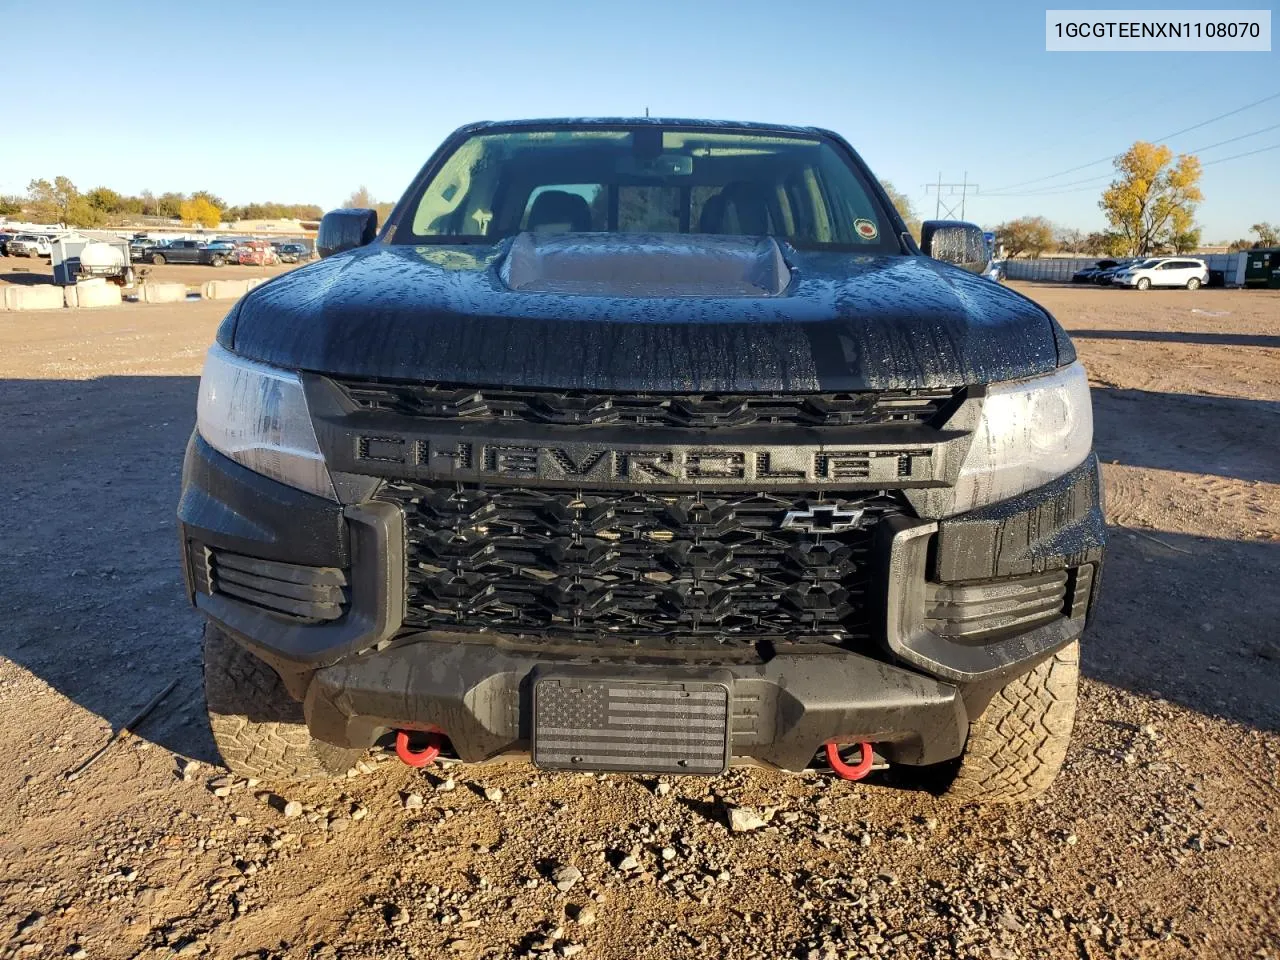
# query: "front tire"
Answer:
x=1143 y=283
x=1016 y=747
x=217 y=262
x=157 y=259
x=1193 y=283
x=258 y=728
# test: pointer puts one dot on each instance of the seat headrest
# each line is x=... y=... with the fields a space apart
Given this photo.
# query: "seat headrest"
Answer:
x=554 y=208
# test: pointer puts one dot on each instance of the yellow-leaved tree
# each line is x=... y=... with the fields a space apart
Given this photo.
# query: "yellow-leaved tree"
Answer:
x=1151 y=204
x=200 y=210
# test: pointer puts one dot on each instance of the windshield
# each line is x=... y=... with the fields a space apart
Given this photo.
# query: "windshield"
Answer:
x=649 y=179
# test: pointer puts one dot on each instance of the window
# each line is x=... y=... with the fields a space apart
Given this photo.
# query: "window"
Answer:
x=803 y=189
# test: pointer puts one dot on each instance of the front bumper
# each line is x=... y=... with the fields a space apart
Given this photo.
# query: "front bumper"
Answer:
x=360 y=674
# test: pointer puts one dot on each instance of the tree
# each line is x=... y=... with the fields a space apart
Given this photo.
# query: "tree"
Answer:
x=1033 y=235
x=1187 y=241
x=361 y=199
x=52 y=202
x=9 y=206
x=1153 y=200
x=198 y=210
x=1070 y=240
x=212 y=198
x=902 y=203
x=169 y=205
x=104 y=199
x=1268 y=234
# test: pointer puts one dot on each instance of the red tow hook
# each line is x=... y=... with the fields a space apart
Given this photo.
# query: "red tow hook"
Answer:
x=846 y=771
x=417 y=758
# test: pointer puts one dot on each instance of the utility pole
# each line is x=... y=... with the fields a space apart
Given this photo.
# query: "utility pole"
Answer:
x=955 y=193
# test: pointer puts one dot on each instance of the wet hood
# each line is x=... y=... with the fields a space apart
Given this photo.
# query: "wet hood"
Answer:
x=834 y=322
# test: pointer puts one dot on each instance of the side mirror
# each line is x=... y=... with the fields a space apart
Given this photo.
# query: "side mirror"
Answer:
x=345 y=230
x=954 y=242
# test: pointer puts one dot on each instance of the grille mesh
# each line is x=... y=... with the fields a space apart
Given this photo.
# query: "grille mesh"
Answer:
x=445 y=402
x=634 y=568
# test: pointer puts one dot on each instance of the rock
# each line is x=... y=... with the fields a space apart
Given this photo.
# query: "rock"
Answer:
x=493 y=794
x=570 y=949
x=668 y=853
x=585 y=916
x=628 y=863
x=398 y=917
x=292 y=809
x=359 y=811
x=566 y=877
x=446 y=785
x=745 y=819
x=412 y=801
x=32 y=922
x=1010 y=922
x=1072 y=840
x=77 y=952
x=189 y=769
x=663 y=788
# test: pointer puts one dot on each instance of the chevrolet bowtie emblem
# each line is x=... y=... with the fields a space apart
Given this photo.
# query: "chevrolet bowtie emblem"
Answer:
x=823 y=518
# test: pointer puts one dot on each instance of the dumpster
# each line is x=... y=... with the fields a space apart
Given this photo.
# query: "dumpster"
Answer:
x=1262 y=268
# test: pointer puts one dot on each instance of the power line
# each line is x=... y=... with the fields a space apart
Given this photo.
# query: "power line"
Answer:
x=1274 y=146
x=1167 y=136
x=1055 y=189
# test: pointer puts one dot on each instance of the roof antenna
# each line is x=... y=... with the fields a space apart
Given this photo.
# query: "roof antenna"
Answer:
x=646 y=111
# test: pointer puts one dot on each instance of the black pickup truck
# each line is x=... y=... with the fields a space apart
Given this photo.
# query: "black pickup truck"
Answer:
x=650 y=446
x=185 y=251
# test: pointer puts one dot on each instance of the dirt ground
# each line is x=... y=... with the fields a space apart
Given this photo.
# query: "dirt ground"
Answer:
x=1161 y=839
x=32 y=270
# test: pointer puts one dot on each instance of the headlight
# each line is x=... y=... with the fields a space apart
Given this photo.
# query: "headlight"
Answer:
x=257 y=415
x=1031 y=431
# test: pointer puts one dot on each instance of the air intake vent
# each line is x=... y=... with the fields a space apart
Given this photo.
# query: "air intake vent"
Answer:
x=298 y=592
x=981 y=612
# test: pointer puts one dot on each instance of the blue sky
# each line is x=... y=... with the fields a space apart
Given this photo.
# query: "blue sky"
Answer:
x=304 y=101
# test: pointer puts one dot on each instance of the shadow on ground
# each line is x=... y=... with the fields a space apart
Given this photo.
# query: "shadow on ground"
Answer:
x=1172 y=336
x=94 y=601
x=1224 y=436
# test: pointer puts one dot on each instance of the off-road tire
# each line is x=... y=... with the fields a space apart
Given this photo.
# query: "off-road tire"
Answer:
x=1143 y=283
x=157 y=259
x=257 y=726
x=1193 y=283
x=217 y=262
x=1017 y=745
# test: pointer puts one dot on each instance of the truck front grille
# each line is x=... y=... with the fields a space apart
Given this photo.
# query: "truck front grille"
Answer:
x=438 y=401
x=639 y=568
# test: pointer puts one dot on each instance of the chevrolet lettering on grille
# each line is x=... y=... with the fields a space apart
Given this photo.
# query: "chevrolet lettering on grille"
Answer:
x=635 y=465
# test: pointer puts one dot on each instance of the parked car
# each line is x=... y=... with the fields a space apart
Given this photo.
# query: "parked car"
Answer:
x=256 y=253
x=1164 y=272
x=511 y=482
x=292 y=252
x=4 y=243
x=30 y=245
x=187 y=251
x=1103 y=277
x=225 y=248
x=1089 y=274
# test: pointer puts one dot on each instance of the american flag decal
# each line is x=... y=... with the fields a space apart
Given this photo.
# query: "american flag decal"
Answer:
x=670 y=727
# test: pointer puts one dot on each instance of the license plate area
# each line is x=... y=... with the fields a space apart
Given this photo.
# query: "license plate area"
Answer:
x=600 y=723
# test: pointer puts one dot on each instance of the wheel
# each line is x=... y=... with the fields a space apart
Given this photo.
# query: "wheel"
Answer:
x=217 y=262
x=1143 y=283
x=257 y=726
x=1193 y=283
x=157 y=259
x=1017 y=745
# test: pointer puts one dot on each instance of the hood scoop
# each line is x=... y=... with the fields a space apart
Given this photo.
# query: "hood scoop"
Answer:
x=645 y=265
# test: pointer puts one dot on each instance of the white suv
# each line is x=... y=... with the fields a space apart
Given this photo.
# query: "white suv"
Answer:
x=1163 y=272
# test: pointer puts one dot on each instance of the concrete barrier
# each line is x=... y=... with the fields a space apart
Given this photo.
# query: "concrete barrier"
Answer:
x=93 y=293
x=41 y=296
x=224 y=289
x=256 y=281
x=163 y=292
